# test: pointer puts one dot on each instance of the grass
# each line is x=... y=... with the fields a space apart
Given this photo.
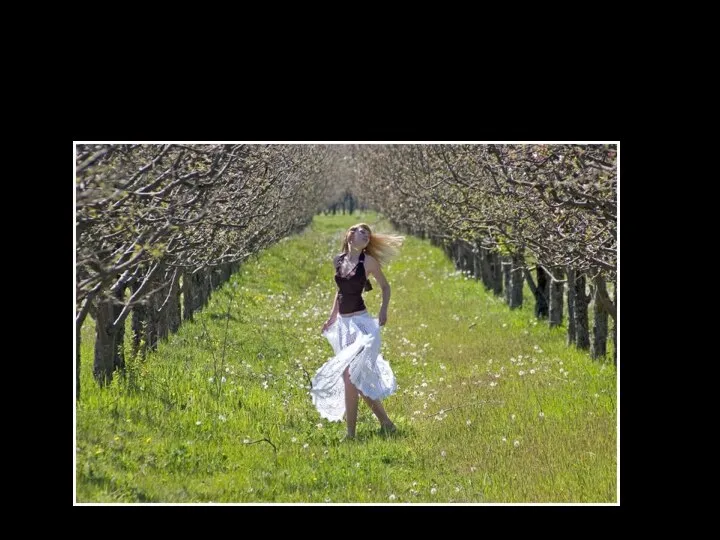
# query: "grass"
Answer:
x=491 y=407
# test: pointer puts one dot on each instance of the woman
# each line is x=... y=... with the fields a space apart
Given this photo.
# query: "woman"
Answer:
x=358 y=368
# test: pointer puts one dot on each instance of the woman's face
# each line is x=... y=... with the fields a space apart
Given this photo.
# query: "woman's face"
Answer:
x=358 y=237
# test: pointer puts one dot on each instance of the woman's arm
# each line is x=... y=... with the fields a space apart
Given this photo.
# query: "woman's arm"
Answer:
x=335 y=306
x=333 y=313
x=373 y=268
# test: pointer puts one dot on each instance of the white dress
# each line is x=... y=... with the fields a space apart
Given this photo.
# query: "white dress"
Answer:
x=356 y=343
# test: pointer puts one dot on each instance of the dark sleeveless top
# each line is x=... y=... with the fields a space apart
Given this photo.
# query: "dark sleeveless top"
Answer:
x=351 y=287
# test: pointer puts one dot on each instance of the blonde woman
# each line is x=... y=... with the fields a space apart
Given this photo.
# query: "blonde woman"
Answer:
x=358 y=368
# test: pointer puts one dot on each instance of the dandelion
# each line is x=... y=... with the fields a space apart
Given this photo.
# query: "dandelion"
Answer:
x=392 y=497
x=468 y=422
x=443 y=454
x=246 y=441
x=492 y=384
x=357 y=465
x=504 y=439
x=210 y=379
x=433 y=491
x=221 y=417
x=293 y=440
x=541 y=415
x=457 y=489
x=198 y=423
x=223 y=379
x=532 y=372
x=504 y=325
x=319 y=426
x=305 y=446
x=521 y=373
x=512 y=417
x=516 y=443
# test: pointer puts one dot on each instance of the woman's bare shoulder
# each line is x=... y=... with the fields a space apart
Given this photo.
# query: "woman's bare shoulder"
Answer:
x=369 y=259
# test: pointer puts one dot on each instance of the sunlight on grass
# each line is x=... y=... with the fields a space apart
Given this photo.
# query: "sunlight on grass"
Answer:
x=491 y=405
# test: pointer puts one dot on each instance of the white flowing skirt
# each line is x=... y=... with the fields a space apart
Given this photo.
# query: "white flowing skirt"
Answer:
x=356 y=343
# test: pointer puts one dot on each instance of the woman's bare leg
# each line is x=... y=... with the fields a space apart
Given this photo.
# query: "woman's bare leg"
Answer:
x=379 y=411
x=351 y=404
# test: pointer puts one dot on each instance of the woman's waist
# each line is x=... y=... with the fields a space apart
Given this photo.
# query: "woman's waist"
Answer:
x=353 y=314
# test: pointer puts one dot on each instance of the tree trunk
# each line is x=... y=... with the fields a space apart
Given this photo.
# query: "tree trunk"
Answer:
x=225 y=272
x=506 y=267
x=541 y=293
x=107 y=357
x=173 y=307
x=465 y=257
x=556 y=298
x=518 y=280
x=486 y=271
x=571 y=334
x=138 y=322
x=77 y=366
x=163 y=320
x=600 y=320
x=152 y=327
x=477 y=269
x=497 y=276
x=119 y=355
x=581 y=314
x=206 y=286
x=188 y=288
x=614 y=325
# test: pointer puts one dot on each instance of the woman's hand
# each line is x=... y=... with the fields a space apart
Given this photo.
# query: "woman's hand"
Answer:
x=382 y=317
x=328 y=323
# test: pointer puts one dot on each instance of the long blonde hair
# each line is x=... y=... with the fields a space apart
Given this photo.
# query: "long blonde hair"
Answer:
x=382 y=247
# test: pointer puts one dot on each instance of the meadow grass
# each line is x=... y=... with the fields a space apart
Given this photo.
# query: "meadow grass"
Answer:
x=491 y=407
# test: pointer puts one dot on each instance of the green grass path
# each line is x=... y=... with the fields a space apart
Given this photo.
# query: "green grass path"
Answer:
x=492 y=406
